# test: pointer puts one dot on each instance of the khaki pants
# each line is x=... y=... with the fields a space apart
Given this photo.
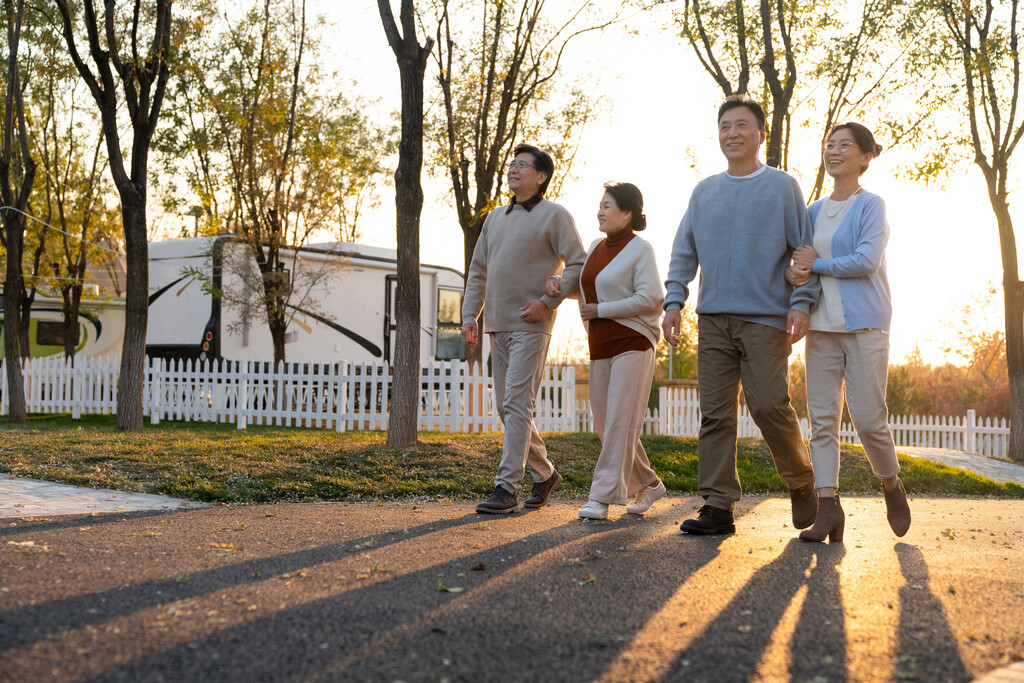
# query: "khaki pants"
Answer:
x=862 y=358
x=517 y=362
x=731 y=351
x=619 y=387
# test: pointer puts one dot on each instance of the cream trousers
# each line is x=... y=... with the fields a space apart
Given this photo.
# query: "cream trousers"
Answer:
x=517 y=363
x=861 y=361
x=619 y=387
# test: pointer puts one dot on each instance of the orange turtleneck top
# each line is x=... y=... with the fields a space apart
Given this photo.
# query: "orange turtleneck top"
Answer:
x=607 y=337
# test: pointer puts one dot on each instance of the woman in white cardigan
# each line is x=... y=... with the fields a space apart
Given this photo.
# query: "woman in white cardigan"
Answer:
x=620 y=303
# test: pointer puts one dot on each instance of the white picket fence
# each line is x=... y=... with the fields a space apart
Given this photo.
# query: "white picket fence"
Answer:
x=326 y=395
x=679 y=412
x=345 y=396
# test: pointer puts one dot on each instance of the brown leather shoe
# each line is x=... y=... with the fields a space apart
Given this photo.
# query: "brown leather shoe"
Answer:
x=542 y=491
x=805 y=505
x=897 y=510
x=830 y=522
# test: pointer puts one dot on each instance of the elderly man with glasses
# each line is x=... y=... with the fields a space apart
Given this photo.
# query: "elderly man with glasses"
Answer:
x=521 y=245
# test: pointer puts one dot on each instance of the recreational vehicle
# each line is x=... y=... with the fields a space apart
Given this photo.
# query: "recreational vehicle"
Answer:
x=100 y=327
x=202 y=303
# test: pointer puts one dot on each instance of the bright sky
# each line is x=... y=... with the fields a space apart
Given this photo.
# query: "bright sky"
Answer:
x=657 y=130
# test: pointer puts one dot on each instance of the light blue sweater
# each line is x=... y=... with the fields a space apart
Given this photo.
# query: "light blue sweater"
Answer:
x=858 y=263
x=742 y=233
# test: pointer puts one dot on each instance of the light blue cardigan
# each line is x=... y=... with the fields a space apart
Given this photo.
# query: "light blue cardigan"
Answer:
x=858 y=263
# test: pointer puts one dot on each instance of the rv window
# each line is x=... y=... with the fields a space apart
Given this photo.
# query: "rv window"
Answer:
x=449 y=325
x=450 y=345
x=50 y=333
x=449 y=307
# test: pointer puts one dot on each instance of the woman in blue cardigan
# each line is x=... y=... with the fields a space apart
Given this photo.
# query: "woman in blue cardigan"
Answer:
x=848 y=339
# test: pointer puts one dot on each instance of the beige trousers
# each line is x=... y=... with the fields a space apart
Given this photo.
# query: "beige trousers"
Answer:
x=862 y=360
x=517 y=363
x=730 y=351
x=619 y=387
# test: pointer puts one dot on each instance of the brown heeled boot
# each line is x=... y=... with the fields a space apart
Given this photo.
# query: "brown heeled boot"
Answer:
x=897 y=510
x=830 y=521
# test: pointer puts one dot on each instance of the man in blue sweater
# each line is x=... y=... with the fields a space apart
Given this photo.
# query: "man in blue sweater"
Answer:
x=741 y=228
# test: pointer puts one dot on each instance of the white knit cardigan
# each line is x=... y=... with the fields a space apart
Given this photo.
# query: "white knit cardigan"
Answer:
x=629 y=289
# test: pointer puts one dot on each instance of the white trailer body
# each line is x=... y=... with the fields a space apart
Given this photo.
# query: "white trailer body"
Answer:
x=100 y=327
x=347 y=314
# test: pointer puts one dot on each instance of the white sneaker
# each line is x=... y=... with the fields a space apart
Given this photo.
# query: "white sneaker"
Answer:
x=645 y=498
x=594 y=510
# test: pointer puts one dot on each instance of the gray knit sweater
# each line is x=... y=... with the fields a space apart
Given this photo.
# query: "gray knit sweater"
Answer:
x=742 y=233
x=514 y=257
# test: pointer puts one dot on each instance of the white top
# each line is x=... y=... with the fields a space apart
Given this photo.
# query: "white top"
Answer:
x=750 y=175
x=629 y=289
x=828 y=315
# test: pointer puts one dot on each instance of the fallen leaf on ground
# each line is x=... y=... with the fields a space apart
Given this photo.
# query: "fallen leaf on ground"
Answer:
x=446 y=589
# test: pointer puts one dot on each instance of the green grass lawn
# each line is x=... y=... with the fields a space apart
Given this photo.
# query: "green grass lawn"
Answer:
x=218 y=463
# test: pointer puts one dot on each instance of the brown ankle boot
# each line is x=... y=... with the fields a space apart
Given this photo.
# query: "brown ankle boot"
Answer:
x=897 y=510
x=830 y=521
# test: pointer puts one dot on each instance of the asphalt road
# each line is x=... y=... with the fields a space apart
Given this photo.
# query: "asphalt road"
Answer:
x=356 y=592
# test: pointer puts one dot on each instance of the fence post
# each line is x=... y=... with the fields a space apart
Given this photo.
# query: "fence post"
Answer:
x=242 y=402
x=76 y=390
x=569 y=399
x=155 y=370
x=972 y=434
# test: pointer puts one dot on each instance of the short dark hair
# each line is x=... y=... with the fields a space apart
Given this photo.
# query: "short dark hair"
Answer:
x=541 y=161
x=629 y=198
x=861 y=135
x=741 y=100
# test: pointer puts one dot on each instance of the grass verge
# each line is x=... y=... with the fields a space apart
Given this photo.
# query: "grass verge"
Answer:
x=218 y=463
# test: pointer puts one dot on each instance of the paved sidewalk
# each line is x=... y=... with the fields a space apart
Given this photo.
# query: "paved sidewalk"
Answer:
x=20 y=497
x=944 y=606
x=993 y=468
x=431 y=591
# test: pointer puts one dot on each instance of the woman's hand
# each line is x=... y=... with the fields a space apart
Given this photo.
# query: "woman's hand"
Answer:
x=798 y=277
x=553 y=287
x=804 y=257
x=588 y=311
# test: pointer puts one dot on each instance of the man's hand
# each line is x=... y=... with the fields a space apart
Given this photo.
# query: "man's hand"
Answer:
x=553 y=288
x=797 y=323
x=798 y=277
x=670 y=326
x=469 y=333
x=533 y=311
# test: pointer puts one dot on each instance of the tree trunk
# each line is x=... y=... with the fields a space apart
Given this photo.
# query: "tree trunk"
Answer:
x=72 y=305
x=136 y=312
x=403 y=421
x=1013 y=297
x=1013 y=302
x=27 y=300
x=471 y=235
x=14 y=226
x=278 y=329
